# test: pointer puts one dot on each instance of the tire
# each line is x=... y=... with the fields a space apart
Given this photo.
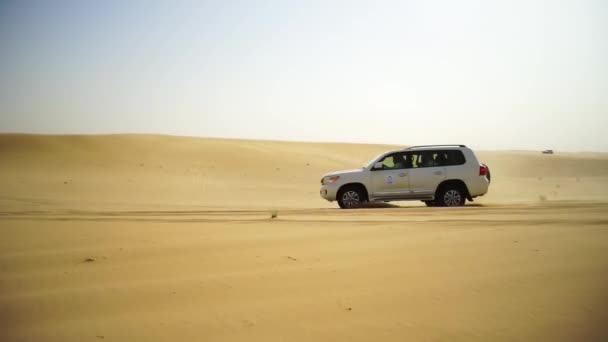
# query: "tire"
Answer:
x=451 y=196
x=351 y=197
x=430 y=203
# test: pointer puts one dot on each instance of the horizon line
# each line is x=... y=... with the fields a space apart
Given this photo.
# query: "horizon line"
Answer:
x=24 y=133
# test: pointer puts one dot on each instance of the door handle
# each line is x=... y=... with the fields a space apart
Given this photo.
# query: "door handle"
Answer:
x=402 y=174
x=438 y=173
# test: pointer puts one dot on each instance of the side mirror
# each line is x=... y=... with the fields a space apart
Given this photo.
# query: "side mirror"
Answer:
x=378 y=166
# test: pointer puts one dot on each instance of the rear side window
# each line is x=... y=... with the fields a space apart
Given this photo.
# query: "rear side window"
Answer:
x=448 y=157
x=434 y=158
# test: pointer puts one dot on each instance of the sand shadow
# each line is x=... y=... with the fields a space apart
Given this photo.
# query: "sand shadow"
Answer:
x=386 y=205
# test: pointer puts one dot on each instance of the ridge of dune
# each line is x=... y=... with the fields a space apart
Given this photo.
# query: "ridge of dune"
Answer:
x=143 y=170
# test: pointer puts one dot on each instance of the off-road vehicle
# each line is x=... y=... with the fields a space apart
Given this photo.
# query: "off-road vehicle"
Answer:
x=438 y=175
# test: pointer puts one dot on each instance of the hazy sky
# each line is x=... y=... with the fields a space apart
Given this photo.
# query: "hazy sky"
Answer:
x=491 y=74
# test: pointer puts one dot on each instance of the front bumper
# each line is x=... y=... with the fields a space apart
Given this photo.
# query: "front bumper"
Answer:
x=329 y=192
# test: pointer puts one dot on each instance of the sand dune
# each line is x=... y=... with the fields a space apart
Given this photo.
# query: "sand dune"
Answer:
x=180 y=246
x=159 y=171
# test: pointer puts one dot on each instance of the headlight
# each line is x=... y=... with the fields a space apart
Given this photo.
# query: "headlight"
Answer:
x=329 y=180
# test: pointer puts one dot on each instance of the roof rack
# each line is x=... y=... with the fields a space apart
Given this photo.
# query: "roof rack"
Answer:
x=442 y=145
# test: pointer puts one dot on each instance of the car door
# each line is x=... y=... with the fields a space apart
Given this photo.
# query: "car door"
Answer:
x=426 y=173
x=392 y=178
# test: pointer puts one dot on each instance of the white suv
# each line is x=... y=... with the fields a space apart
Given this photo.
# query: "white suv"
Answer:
x=438 y=175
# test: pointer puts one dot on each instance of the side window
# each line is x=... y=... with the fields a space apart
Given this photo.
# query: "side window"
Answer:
x=400 y=160
x=453 y=157
x=458 y=158
x=393 y=161
x=424 y=159
x=436 y=158
x=416 y=160
x=441 y=158
x=388 y=162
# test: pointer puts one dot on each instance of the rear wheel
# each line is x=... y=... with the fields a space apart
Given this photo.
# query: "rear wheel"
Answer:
x=351 y=197
x=451 y=196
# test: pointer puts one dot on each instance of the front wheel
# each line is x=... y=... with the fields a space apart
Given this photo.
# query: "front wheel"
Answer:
x=451 y=197
x=350 y=197
x=430 y=203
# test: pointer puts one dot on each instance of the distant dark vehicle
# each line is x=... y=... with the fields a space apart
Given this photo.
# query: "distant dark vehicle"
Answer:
x=548 y=152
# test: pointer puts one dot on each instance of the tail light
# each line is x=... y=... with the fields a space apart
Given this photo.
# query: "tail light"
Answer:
x=483 y=169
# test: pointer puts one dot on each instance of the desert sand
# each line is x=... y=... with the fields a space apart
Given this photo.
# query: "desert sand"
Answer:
x=161 y=238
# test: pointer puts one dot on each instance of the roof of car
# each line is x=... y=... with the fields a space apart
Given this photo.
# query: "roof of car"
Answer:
x=430 y=147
